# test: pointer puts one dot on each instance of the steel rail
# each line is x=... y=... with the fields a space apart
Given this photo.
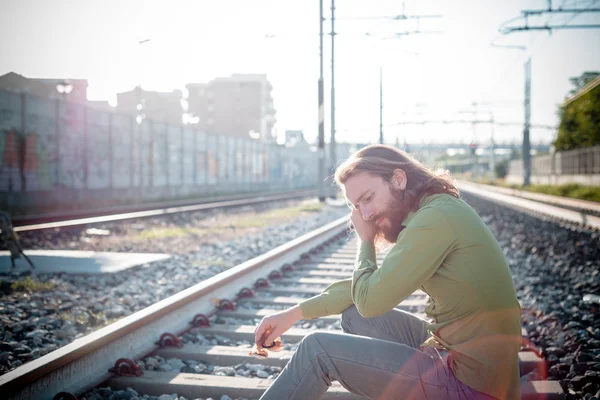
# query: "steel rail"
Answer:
x=558 y=201
x=84 y=363
x=20 y=220
x=533 y=207
x=161 y=211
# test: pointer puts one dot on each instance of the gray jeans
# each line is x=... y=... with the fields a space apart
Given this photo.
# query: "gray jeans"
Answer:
x=378 y=358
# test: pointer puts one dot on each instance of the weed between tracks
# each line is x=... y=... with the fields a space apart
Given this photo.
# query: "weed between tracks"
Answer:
x=244 y=222
x=31 y=286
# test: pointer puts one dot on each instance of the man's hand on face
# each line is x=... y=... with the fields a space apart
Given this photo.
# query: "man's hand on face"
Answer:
x=365 y=229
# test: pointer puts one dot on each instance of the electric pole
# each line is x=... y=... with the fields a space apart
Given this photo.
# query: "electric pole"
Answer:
x=504 y=29
x=397 y=35
x=380 y=105
x=332 y=140
x=321 y=151
x=526 y=144
x=492 y=147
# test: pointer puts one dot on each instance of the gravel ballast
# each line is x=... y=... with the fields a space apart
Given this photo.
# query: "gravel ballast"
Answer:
x=34 y=323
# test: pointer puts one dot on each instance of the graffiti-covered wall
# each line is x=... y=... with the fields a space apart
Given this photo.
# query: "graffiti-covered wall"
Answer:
x=55 y=154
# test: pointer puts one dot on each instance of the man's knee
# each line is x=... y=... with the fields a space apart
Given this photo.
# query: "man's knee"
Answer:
x=314 y=342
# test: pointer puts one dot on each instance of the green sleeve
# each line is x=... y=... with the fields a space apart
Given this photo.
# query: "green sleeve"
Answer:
x=419 y=251
x=334 y=299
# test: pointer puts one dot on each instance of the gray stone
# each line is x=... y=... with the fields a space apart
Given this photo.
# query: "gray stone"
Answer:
x=176 y=363
x=200 y=368
x=262 y=374
x=25 y=356
x=165 y=367
x=5 y=346
x=124 y=394
x=4 y=356
x=22 y=349
x=229 y=371
x=116 y=311
x=151 y=362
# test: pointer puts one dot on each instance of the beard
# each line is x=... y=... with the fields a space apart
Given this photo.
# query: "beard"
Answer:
x=396 y=211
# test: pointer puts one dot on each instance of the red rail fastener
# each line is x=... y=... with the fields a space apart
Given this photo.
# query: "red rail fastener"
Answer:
x=261 y=283
x=169 y=340
x=126 y=367
x=200 y=320
x=275 y=275
x=226 y=305
x=245 y=292
x=65 y=396
x=287 y=268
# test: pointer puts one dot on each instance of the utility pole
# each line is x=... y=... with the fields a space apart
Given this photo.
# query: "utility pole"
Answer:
x=492 y=147
x=504 y=29
x=380 y=105
x=321 y=151
x=526 y=144
x=475 y=166
x=332 y=141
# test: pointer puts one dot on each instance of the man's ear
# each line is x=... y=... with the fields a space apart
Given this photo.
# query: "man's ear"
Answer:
x=399 y=179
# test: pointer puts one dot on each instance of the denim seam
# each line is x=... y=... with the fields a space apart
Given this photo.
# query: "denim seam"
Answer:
x=393 y=373
x=306 y=371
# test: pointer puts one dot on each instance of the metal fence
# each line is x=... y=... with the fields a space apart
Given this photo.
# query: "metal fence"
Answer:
x=584 y=161
x=55 y=153
x=577 y=166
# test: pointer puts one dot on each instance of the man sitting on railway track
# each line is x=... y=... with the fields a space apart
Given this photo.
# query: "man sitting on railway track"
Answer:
x=469 y=349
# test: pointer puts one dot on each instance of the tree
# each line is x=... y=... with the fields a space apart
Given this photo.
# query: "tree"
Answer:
x=580 y=117
x=580 y=81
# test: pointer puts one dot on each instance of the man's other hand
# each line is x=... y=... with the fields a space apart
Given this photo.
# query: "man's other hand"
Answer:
x=365 y=229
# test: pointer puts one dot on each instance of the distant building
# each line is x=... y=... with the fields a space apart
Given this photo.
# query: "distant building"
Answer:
x=239 y=105
x=46 y=88
x=100 y=105
x=157 y=106
x=294 y=138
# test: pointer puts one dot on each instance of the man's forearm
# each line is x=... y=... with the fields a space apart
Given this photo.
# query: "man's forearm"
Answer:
x=295 y=313
x=334 y=299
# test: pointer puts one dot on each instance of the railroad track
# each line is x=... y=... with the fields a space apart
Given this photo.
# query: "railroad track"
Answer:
x=560 y=209
x=588 y=207
x=294 y=271
x=75 y=219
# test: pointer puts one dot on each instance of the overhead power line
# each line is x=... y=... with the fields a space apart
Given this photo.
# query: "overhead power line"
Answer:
x=548 y=28
x=466 y=121
x=558 y=11
x=400 y=17
x=525 y=14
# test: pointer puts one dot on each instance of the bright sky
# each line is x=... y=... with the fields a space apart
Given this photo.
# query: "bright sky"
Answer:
x=197 y=40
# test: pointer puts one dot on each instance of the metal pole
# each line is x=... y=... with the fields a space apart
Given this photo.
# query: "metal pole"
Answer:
x=23 y=150
x=85 y=152
x=380 y=105
x=58 y=146
x=492 y=156
x=526 y=144
x=321 y=153
x=332 y=141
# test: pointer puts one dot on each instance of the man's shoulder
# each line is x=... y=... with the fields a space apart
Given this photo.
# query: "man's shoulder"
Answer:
x=442 y=208
x=441 y=200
